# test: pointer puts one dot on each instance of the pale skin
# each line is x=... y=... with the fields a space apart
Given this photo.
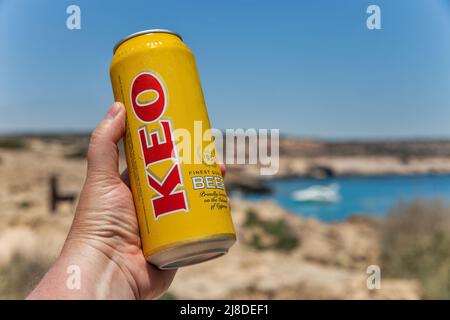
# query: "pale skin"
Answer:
x=103 y=242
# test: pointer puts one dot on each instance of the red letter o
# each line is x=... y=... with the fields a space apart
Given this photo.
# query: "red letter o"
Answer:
x=150 y=111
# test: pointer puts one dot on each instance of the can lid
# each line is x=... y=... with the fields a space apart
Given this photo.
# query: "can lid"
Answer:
x=145 y=32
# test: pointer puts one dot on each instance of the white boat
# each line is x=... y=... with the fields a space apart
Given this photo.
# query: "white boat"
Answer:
x=317 y=194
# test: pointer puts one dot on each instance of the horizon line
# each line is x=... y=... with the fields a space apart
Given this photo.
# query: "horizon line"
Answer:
x=355 y=139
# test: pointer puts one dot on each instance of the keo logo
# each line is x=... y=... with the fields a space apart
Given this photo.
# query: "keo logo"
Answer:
x=149 y=100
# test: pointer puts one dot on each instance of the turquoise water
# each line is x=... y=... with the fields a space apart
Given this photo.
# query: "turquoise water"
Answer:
x=372 y=196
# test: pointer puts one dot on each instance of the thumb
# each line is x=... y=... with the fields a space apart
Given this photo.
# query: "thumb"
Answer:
x=103 y=155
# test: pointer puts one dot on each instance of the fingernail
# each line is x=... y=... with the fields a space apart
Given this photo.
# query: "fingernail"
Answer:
x=113 y=111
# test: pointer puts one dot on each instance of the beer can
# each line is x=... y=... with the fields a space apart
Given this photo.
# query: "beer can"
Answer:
x=178 y=190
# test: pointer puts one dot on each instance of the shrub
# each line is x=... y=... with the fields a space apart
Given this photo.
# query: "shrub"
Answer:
x=20 y=275
x=25 y=204
x=168 y=296
x=280 y=235
x=416 y=244
x=12 y=143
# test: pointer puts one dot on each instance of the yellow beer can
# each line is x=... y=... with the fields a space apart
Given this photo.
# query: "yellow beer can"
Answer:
x=179 y=194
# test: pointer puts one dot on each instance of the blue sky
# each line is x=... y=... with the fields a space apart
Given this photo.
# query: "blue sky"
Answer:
x=309 y=68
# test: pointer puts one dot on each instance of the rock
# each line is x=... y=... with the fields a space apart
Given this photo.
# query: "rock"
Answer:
x=320 y=172
x=244 y=183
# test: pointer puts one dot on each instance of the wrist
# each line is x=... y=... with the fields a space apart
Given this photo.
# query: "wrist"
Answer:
x=83 y=271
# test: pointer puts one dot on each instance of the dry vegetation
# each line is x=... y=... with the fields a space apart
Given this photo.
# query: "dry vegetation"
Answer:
x=12 y=143
x=269 y=234
x=416 y=244
x=21 y=274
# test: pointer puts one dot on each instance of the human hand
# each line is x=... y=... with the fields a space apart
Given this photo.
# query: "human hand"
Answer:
x=104 y=238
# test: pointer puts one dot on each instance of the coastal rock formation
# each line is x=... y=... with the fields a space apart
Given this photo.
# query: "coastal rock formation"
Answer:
x=322 y=159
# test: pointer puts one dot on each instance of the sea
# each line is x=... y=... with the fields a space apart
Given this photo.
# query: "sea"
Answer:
x=371 y=196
